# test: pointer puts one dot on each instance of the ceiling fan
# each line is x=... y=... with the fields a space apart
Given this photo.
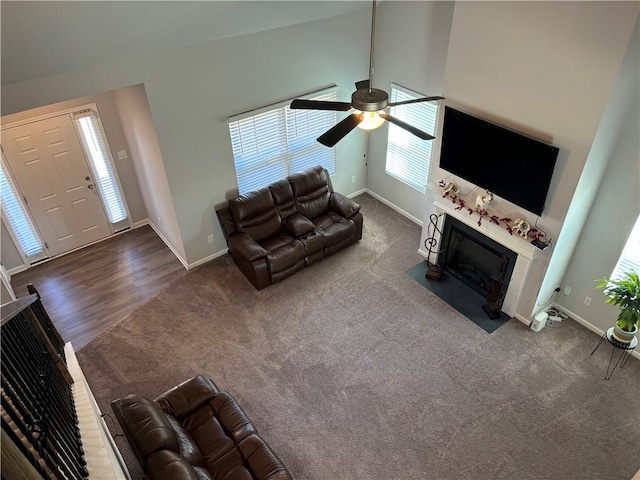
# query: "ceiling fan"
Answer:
x=369 y=105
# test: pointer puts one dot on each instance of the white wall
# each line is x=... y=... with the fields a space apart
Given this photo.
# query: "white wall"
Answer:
x=414 y=59
x=145 y=155
x=192 y=91
x=546 y=69
x=615 y=203
x=613 y=155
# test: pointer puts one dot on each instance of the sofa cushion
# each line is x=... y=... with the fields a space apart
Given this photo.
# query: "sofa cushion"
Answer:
x=168 y=465
x=334 y=228
x=283 y=198
x=188 y=448
x=252 y=459
x=283 y=252
x=311 y=190
x=255 y=214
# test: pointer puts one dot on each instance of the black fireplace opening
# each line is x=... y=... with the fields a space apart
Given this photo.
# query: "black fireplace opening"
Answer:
x=475 y=259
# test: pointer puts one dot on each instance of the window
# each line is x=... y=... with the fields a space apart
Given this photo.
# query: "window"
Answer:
x=98 y=156
x=273 y=142
x=630 y=257
x=408 y=156
x=15 y=213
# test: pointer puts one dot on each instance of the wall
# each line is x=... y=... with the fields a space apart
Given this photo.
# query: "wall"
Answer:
x=144 y=151
x=415 y=60
x=616 y=204
x=192 y=91
x=613 y=155
x=546 y=69
x=116 y=139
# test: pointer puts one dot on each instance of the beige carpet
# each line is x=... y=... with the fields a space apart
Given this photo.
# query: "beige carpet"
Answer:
x=352 y=370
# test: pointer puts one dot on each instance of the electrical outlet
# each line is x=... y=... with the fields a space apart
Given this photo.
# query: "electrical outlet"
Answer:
x=353 y=179
x=159 y=222
x=567 y=290
x=122 y=154
x=210 y=239
x=587 y=301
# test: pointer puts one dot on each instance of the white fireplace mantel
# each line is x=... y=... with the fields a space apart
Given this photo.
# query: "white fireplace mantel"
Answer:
x=526 y=252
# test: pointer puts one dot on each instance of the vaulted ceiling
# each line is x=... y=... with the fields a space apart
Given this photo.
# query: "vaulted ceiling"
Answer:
x=49 y=37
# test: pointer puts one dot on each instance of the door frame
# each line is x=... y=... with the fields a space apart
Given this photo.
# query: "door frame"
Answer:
x=69 y=111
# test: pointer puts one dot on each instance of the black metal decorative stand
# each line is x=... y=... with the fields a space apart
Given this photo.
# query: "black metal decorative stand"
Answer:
x=493 y=307
x=434 y=271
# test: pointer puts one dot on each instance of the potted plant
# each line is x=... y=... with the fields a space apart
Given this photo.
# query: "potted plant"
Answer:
x=625 y=293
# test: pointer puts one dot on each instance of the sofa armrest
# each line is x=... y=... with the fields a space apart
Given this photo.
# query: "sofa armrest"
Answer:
x=298 y=225
x=247 y=247
x=343 y=205
x=184 y=399
x=145 y=425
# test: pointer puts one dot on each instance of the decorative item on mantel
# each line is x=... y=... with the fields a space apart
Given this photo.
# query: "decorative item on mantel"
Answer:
x=519 y=226
x=625 y=293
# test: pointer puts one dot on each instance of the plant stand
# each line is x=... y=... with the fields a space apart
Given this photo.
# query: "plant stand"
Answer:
x=626 y=349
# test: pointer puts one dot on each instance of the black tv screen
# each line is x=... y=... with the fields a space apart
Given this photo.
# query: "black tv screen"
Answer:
x=509 y=164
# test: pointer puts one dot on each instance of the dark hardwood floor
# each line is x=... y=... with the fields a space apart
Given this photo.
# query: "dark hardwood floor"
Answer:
x=88 y=291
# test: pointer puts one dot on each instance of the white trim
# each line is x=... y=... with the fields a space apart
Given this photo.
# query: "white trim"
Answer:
x=284 y=103
x=46 y=116
x=585 y=323
x=359 y=192
x=168 y=244
x=100 y=451
x=395 y=207
x=141 y=223
x=6 y=281
x=16 y=270
x=207 y=259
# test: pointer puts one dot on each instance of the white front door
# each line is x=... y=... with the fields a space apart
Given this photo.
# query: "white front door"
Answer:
x=53 y=175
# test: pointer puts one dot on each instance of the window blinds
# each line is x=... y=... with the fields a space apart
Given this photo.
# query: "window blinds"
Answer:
x=408 y=156
x=272 y=142
x=16 y=214
x=96 y=150
x=630 y=257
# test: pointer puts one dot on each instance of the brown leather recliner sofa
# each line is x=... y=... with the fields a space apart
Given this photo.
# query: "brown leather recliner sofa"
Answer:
x=196 y=432
x=277 y=230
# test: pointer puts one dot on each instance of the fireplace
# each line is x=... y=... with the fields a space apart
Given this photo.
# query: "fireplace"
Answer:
x=480 y=262
x=525 y=253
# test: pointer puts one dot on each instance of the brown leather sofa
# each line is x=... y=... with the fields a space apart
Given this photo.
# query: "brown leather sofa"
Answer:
x=196 y=432
x=277 y=230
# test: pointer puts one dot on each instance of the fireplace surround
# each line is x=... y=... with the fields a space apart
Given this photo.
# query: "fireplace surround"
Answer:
x=523 y=250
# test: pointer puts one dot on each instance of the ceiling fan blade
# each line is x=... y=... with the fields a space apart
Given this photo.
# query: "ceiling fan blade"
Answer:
x=415 y=100
x=416 y=131
x=337 y=133
x=362 y=84
x=319 y=105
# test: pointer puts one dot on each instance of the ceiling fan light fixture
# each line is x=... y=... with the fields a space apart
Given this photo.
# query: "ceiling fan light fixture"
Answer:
x=370 y=121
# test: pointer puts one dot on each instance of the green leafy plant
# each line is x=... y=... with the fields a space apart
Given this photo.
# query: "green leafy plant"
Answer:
x=625 y=293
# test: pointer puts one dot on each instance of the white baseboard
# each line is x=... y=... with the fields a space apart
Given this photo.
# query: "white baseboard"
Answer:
x=359 y=192
x=395 y=207
x=168 y=244
x=585 y=323
x=141 y=223
x=18 y=269
x=207 y=259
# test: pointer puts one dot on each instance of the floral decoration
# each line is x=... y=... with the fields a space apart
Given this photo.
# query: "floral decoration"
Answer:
x=453 y=195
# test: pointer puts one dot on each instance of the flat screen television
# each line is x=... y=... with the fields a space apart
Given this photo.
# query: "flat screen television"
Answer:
x=509 y=164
